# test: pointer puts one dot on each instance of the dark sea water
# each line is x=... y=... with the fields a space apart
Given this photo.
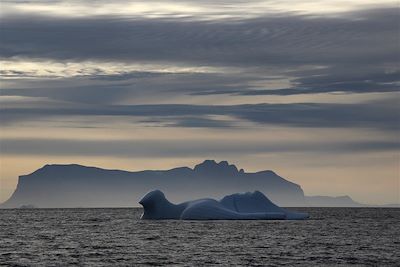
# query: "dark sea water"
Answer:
x=116 y=237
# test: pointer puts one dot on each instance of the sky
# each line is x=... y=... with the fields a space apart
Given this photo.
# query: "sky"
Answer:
x=308 y=89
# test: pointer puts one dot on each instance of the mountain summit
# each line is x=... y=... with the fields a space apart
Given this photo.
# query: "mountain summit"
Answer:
x=211 y=166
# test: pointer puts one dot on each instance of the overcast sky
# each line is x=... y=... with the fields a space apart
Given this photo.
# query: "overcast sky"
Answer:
x=309 y=89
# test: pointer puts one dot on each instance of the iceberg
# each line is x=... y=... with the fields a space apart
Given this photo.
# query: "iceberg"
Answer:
x=240 y=206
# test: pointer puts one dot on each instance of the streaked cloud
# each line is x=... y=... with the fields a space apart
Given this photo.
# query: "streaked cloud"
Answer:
x=378 y=115
x=308 y=54
x=211 y=10
x=101 y=70
x=182 y=148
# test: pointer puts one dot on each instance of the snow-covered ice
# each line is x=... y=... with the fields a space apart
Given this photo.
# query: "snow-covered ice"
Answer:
x=240 y=206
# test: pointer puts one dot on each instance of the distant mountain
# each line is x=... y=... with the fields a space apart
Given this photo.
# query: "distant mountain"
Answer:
x=79 y=186
x=324 y=201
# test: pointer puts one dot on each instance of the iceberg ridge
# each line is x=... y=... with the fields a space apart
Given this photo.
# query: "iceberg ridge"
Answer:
x=240 y=206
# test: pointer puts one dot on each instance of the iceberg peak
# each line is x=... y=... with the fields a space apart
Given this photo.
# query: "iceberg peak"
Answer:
x=157 y=206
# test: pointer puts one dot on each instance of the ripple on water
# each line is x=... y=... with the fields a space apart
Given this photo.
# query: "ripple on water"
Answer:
x=104 y=237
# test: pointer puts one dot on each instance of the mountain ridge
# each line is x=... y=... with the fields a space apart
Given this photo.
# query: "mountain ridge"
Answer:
x=75 y=185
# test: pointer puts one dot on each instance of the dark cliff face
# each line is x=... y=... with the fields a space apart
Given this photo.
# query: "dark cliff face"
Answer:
x=80 y=186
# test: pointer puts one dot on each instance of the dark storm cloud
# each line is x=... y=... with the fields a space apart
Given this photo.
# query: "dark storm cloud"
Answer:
x=382 y=115
x=167 y=148
x=358 y=50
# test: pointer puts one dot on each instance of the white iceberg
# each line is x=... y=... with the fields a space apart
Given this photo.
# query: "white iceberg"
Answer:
x=241 y=206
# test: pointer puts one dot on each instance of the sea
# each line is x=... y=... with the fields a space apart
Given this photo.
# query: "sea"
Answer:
x=117 y=237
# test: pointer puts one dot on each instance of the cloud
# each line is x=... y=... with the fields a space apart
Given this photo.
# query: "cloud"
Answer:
x=276 y=39
x=377 y=115
x=186 y=148
x=183 y=9
x=94 y=69
x=356 y=52
x=99 y=62
x=334 y=82
x=206 y=121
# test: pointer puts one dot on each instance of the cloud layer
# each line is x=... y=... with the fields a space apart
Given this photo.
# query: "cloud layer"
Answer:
x=377 y=115
x=356 y=52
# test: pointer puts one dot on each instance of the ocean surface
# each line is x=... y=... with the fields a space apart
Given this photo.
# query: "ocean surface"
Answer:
x=117 y=237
